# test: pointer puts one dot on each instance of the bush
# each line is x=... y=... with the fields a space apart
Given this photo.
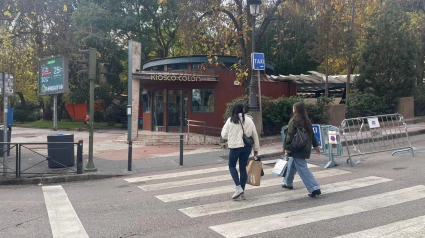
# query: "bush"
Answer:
x=367 y=104
x=278 y=112
x=113 y=113
x=420 y=101
x=26 y=113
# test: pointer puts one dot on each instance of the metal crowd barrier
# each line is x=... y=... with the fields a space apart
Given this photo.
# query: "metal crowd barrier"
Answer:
x=370 y=135
x=329 y=140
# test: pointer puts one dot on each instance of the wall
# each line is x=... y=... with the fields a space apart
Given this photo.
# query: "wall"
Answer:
x=278 y=89
x=406 y=107
x=335 y=114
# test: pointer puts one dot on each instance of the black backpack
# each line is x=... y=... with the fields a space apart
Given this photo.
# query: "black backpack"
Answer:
x=300 y=139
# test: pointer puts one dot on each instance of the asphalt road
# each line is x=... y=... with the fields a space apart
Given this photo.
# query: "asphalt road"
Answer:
x=383 y=192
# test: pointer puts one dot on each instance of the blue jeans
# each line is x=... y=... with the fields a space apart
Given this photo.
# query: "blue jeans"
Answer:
x=242 y=154
x=300 y=165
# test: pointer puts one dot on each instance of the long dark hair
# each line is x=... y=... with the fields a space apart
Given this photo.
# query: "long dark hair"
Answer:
x=300 y=114
x=237 y=108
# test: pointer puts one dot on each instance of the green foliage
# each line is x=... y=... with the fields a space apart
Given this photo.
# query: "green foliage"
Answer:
x=278 y=112
x=25 y=113
x=367 y=104
x=229 y=106
x=388 y=59
x=285 y=42
x=113 y=113
x=420 y=101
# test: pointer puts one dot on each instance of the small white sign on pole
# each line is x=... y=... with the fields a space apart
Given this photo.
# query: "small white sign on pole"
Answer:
x=332 y=137
x=373 y=122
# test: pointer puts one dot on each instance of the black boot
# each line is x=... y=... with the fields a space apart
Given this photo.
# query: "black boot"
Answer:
x=287 y=187
x=315 y=193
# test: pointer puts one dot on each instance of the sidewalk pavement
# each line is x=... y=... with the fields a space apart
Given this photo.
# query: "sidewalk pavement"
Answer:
x=111 y=156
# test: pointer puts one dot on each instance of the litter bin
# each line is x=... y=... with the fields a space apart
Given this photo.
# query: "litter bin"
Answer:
x=9 y=135
x=61 y=155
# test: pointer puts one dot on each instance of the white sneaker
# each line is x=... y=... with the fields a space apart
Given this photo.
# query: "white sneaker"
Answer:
x=238 y=192
x=242 y=197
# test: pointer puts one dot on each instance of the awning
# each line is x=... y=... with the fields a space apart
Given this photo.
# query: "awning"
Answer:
x=315 y=82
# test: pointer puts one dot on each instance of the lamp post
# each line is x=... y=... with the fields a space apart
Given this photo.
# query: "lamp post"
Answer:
x=254 y=9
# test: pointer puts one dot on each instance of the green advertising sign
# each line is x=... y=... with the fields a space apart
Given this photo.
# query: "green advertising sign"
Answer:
x=53 y=76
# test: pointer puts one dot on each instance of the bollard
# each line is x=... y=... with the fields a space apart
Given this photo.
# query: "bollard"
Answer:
x=80 y=157
x=17 y=170
x=130 y=154
x=181 y=149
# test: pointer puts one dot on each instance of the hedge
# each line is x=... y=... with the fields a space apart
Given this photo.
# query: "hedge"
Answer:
x=420 y=101
x=367 y=104
x=278 y=112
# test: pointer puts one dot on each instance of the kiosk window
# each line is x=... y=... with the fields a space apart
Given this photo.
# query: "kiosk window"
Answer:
x=202 y=100
x=146 y=102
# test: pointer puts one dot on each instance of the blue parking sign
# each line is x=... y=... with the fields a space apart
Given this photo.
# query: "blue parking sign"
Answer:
x=258 y=61
x=317 y=134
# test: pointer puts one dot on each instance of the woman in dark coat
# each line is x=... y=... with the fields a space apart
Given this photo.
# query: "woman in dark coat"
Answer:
x=297 y=159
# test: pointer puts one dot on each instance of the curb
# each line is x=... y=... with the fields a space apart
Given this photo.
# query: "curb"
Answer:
x=67 y=129
x=56 y=179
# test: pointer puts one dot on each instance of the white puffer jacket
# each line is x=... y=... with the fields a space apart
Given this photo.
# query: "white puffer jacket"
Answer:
x=233 y=133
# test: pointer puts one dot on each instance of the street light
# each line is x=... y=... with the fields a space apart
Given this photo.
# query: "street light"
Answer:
x=254 y=8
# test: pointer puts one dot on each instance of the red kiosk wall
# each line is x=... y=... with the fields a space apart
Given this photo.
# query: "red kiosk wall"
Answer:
x=225 y=91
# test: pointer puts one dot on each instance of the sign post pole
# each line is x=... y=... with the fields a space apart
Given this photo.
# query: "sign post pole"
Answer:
x=55 y=112
x=258 y=64
x=92 y=76
x=3 y=90
x=259 y=97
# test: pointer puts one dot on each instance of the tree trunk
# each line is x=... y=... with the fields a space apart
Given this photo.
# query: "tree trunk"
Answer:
x=22 y=98
x=47 y=112
x=421 y=63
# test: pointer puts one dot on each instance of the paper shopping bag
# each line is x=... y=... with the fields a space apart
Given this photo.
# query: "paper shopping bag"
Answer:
x=254 y=172
x=280 y=167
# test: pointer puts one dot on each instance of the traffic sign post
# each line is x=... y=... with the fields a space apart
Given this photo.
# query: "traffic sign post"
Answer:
x=258 y=63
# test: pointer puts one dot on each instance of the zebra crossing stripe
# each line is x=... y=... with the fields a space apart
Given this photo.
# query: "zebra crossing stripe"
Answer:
x=320 y=213
x=175 y=175
x=229 y=189
x=414 y=227
x=227 y=206
x=175 y=184
x=64 y=221
x=192 y=172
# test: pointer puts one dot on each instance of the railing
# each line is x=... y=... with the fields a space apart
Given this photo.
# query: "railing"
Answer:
x=206 y=129
x=370 y=135
x=18 y=155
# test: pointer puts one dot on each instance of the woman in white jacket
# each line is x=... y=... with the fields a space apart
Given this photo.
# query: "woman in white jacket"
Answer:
x=233 y=130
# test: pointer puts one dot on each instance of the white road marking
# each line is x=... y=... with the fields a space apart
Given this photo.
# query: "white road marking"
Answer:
x=413 y=228
x=192 y=172
x=63 y=219
x=315 y=214
x=227 y=206
x=175 y=184
x=229 y=189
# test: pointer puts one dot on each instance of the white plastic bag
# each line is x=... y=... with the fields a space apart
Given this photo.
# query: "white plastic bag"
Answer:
x=280 y=167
